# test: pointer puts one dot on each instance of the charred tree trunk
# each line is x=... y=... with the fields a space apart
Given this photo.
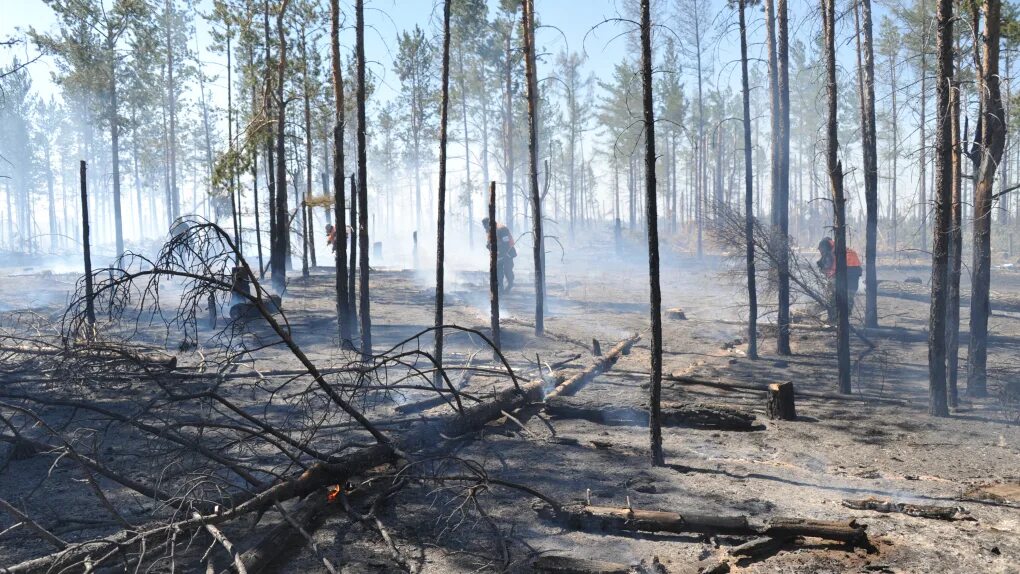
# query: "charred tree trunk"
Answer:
x=282 y=240
x=307 y=246
x=366 y=317
x=652 y=221
x=444 y=107
x=955 y=256
x=835 y=168
x=493 y=275
x=937 y=405
x=353 y=264
x=869 y=145
x=991 y=140
x=343 y=302
x=536 y=198
x=752 y=291
x=234 y=204
x=90 y=309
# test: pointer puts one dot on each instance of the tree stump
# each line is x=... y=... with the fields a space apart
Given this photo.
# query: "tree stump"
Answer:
x=780 y=402
x=676 y=313
x=596 y=348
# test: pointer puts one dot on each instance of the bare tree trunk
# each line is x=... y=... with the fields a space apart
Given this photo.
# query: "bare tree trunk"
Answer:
x=992 y=139
x=366 y=317
x=353 y=264
x=955 y=254
x=895 y=156
x=508 y=132
x=752 y=292
x=444 y=107
x=175 y=193
x=835 y=168
x=343 y=301
x=536 y=199
x=869 y=145
x=493 y=275
x=922 y=201
x=234 y=208
x=937 y=405
x=467 y=151
x=652 y=221
x=90 y=310
x=282 y=240
x=306 y=239
x=114 y=119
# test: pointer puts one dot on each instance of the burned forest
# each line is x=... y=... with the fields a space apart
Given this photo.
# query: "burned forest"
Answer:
x=619 y=286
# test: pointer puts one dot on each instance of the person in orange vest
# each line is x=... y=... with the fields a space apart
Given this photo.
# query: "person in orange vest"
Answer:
x=505 y=253
x=827 y=264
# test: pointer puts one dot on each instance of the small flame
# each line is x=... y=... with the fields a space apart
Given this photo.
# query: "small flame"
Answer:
x=334 y=492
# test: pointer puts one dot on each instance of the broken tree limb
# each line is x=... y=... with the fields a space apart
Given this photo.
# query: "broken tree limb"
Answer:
x=579 y=380
x=611 y=519
x=694 y=415
x=277 y=540
x=916 y=510
x=218 y=536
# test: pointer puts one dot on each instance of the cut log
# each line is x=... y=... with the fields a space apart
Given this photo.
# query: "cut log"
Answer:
x=676 y=313
x=844 y=531
x=567 y=565
x=917 y=510
x=780 y=402
x=692 y=415
x=611 y=519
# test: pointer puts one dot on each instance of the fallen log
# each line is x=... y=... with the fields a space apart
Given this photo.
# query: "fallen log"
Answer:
x=689 y=380
x=610 y=519
x=762 y=546
x=96 y=352
x=579 y=380
x=916 y=510
x=692 y=415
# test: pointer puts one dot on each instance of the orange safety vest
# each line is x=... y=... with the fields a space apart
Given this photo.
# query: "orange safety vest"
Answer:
x=852 y=260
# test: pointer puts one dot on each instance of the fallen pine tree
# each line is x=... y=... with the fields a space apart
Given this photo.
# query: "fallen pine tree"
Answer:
x=693 y=415
x=624 y=520
x=420 y=440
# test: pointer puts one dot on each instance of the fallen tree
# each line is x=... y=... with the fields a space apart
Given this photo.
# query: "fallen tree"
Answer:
x=623 y=520
x=692 y=415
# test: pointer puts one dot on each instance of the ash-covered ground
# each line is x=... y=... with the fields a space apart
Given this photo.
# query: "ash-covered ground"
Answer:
x=880 y=442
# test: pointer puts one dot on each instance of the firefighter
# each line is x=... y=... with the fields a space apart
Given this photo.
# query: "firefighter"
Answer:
x=505 y=253
x=331 y=236
x=827 y=264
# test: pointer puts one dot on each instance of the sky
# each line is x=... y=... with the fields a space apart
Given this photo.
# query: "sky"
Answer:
x=571 y=24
